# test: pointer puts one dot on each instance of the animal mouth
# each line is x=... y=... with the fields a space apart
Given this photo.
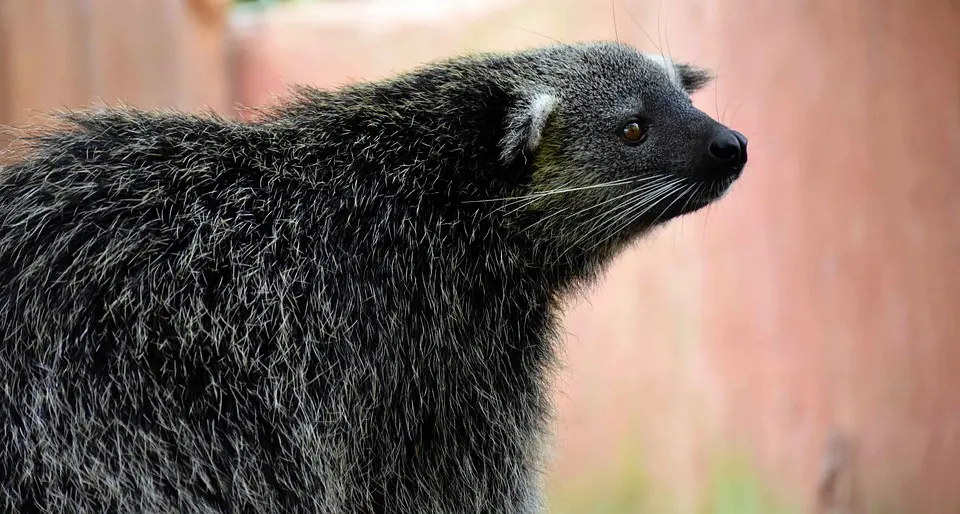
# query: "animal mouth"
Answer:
x=711 y=191
x=669 y=197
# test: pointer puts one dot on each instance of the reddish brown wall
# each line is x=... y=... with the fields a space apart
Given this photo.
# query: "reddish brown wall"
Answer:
x=819 y=301
x=832 y=280
x=150 y=53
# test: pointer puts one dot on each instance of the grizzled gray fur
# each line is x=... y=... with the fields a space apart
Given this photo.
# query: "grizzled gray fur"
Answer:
x=344 y=306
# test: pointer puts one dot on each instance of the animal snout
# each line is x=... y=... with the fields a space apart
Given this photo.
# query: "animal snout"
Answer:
x=727 y=150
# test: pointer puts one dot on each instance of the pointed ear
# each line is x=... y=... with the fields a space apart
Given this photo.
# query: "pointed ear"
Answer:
x=525 y=122
x=687 y=77
x=692 y=78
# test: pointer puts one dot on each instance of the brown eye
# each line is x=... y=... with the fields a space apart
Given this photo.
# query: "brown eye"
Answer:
x=633 y=132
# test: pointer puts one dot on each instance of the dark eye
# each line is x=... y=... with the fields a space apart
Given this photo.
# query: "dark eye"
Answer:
x=633 y=132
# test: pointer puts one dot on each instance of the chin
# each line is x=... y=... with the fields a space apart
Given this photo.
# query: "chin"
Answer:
x=712 y=192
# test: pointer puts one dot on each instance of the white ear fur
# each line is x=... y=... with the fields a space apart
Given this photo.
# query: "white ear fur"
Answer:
x=525 y=123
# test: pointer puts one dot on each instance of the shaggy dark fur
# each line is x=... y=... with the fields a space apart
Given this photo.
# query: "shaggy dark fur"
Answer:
x=342 y=307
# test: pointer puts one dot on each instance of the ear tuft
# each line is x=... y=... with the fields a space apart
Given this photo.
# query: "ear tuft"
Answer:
x=692 y=78
x=525 y=123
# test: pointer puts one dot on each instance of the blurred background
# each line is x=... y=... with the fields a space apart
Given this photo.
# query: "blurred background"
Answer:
x=795 y=348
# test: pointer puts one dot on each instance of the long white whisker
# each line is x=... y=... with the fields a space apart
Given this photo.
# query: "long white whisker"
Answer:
x=649 y=201
x=672 y=188
x=641 y=196
x=528 y=200
x=653 y=202
x=660 y=179
x=685 y=193
x=635 y=21
x=653 y=181
x=706 y=215
x=693 y=194
x=666 y=32
x=605 y=217
x=557 y=191
x=545 y=218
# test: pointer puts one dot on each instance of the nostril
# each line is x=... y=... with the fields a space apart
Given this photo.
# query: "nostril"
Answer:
x=724 y=152
x=725 y=147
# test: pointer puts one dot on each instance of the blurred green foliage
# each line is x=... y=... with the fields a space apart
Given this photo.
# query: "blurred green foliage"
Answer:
x=737 y=487
x=734 y=486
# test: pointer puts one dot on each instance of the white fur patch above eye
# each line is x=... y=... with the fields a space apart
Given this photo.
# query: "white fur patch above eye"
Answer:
x=667 y=65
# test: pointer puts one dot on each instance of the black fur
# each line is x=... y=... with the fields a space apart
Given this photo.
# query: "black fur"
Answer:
x=319 y=311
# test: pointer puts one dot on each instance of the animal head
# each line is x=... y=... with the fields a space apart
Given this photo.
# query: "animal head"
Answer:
x=615 y=144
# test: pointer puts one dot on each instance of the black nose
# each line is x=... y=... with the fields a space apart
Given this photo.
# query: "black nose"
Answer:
x=728 y=148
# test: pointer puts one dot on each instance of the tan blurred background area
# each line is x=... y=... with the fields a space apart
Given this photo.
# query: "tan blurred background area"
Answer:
x=793 y=349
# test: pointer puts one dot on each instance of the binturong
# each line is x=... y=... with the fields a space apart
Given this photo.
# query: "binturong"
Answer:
x=345 y=305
